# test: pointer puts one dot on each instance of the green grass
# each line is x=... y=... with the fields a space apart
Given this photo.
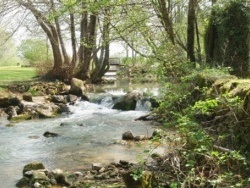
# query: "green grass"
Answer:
x=14 y=74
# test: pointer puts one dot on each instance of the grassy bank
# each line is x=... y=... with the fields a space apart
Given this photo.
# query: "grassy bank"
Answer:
x=15 y=74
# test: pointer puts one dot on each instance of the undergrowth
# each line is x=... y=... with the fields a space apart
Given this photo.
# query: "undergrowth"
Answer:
x=203 y=158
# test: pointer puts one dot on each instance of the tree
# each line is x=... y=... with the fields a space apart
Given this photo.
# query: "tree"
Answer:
x=211 y=37
x=102 y=63
x=35 y=50
x=191 y=30
x=64 y=21
x=163 y=11
x=227 y=38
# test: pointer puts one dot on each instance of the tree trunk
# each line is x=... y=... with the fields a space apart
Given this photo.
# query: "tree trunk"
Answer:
x=162 y=10
x=59 y=33
x=51 y=31
x=210 y=37
x=88 y=36
x=73 y=41
x=191 y=30
x=83 y=30
x=102 y=63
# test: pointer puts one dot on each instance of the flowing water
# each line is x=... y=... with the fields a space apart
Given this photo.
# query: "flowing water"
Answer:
x=86 y=136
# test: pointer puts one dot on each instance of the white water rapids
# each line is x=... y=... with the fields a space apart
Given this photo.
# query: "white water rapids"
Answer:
x=85 y=136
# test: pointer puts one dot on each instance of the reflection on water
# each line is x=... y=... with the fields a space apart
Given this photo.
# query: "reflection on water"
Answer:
x=85 y=136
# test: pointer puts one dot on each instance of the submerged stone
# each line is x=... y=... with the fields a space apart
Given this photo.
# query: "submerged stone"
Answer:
x=50 y=134
x=128 y=136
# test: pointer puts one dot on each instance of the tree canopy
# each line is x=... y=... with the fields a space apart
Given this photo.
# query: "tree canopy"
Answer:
x=168 y=33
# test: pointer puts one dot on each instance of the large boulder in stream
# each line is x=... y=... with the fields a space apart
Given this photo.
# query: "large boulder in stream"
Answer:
x=77 y=87
x=128 y=102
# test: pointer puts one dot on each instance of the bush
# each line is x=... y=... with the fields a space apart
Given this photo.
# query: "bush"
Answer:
x=43 y=67
x=201 y=159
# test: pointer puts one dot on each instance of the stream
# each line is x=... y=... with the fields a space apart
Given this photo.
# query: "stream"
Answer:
x=86 y=136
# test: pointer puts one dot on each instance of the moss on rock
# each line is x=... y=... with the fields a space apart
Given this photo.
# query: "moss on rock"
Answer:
x=33 y=166
x=21 y=117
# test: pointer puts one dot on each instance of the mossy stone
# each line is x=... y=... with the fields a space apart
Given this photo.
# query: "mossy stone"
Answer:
x=33 y=166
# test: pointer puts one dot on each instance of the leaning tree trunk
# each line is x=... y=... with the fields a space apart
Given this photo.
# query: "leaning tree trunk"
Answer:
x=59 y=33
x=52 y=33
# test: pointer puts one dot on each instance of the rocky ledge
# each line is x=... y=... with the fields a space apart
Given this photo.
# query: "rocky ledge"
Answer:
x=50 y=100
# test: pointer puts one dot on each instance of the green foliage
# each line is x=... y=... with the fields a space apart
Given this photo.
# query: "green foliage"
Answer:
x=137 y=173
x=197 y=162
x=230 y=28
x=205 y=107
x=34 y=51
x=8 y=51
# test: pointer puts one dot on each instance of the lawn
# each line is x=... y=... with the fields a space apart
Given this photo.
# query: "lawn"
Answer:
x=16 y=74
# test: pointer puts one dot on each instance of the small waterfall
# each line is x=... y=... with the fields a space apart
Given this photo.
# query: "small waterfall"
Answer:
x=143 y=105
x=107 y=102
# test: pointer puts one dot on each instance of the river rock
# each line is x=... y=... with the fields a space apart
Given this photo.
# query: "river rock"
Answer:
x=33 y=166
x=6 y=102
x=97 y=166
x=58 y=99
x=63 y=108
x=37 y=185
x=41 y=178
x=47 y=111
x=23 y=182
x=124 y=163
x=71 y=98
x=27 y=97
x=140 y=138
x=77 y=87
x=158 y=133
x=62 y=180
x=50 y=134
x=128 y=136
x=101 y=176
x=11 y=111
x=147 y=117
x=20 y=117
x=128 y=102
x=57 y=171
